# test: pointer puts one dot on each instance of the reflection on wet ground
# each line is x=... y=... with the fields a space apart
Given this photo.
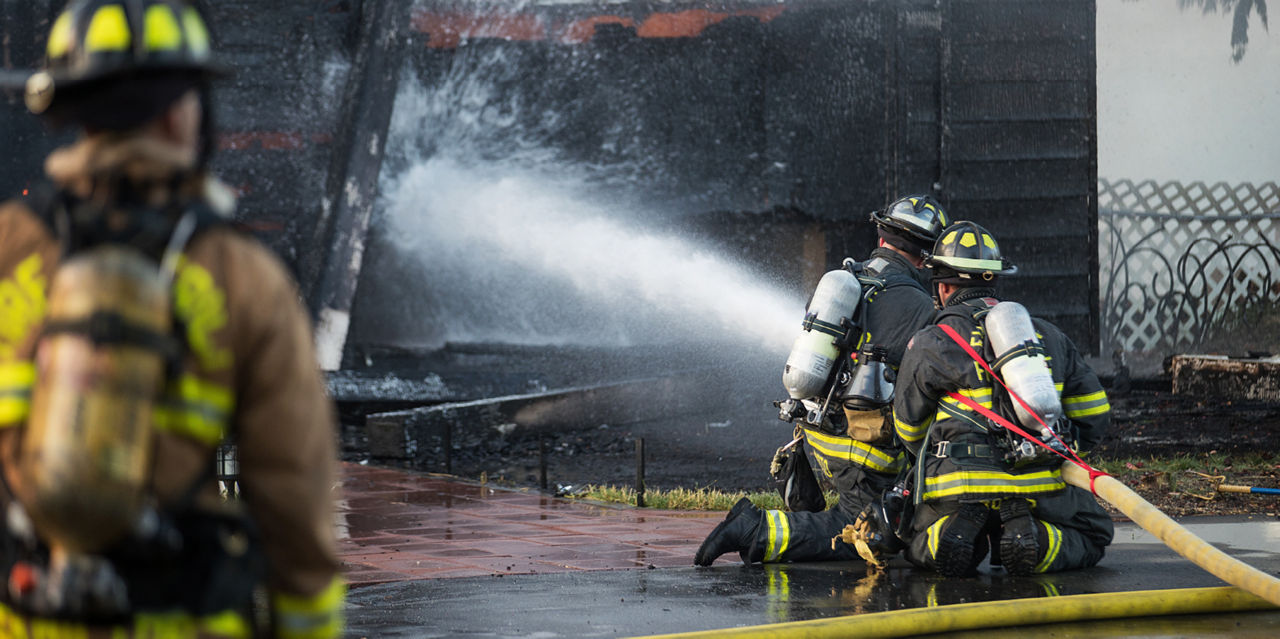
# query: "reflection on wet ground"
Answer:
x=401 y=526
x=627 y=603
x=553 y=568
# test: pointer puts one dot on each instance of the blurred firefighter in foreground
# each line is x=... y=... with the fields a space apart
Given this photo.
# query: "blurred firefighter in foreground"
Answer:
x=850 y=438
x=138 y=332
x=979 y=486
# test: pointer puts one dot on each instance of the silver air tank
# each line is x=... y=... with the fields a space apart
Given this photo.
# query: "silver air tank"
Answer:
x=814 y=353
x=1027 y=374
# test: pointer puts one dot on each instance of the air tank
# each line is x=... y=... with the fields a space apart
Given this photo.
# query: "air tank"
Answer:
x=814 y=353
x=86 y=451
x=1008 y=327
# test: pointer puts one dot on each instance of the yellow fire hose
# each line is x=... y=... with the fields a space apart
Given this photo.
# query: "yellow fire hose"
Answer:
x=999 y=614
x=1176 y=537
x=1255 y=590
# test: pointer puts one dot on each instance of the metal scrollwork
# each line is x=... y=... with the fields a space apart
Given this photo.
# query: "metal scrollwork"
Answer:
x=1180 y=263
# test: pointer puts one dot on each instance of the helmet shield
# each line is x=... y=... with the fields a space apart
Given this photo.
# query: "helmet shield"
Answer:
x=911 y=223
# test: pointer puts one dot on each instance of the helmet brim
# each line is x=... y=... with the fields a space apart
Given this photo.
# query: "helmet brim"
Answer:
x=12 y=80
x=16 y=79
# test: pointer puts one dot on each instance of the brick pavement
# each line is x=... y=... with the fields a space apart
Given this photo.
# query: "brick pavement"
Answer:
x=396 y=526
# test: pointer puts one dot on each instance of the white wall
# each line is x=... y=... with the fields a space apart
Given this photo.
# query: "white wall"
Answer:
x=1171 y=103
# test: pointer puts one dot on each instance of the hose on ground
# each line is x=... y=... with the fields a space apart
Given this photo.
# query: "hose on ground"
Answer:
x=1175 y=536
x=1005 y=613
x=1254 y=589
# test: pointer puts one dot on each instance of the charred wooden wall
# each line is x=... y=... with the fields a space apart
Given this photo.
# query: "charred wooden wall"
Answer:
x=830 y=108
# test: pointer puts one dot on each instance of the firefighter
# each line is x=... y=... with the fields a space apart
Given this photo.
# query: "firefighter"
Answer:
x=979 y=487
x=133 y=311
x=862 y=462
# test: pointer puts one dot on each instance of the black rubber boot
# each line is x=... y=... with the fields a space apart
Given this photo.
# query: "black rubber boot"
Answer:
x=735 y=534
x=963 y=543
x=1019 y=543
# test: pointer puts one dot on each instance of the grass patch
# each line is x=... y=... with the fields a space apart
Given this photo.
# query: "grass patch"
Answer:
x=686 y=498
x=1177 y=472
x=1171 y=473
x=1212 y=463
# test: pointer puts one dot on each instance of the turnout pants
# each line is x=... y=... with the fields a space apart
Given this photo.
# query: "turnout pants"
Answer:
x=801 y=536
x=1073 y=530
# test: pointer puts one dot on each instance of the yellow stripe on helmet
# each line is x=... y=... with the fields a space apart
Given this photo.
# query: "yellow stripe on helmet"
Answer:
x=108 y=30
x=162 y=31
x=60 y=37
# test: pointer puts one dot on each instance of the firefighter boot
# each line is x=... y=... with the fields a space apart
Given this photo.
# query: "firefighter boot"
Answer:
x=736 y=533
x=962 y=543
x=1019 y=543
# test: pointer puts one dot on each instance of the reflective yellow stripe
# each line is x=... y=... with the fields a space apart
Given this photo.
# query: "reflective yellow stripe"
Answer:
x=908 y=433
x=1096 y=410
x=225 y=625
x=950 y=407
x=1091 y=397
x=983 y=482
x=1086 y=405
x=318 y=617
x=980 y=395
x=934 y=533
x=202 y=305
x=162 y=30
x=22 y=304
x=16 y=380
x=852 y=450
x=108 y=30
x=1055 y=546
x=60 y=36
x=779 y=535
x=195 y=408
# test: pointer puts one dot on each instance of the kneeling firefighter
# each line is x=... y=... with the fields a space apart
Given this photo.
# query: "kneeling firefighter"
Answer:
x=839 y=394
x=134 y=341
x=980 y=486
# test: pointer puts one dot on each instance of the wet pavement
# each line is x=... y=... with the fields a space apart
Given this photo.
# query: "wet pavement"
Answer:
x=429 y=556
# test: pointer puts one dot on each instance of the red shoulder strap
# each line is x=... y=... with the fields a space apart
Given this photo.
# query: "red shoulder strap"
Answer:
x=998 y=419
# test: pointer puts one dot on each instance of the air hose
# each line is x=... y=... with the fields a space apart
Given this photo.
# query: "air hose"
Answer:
x=1174 y=535
x=1005 y=613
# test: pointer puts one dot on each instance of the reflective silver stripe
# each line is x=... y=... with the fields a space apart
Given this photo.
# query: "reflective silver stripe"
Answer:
x=779 y=535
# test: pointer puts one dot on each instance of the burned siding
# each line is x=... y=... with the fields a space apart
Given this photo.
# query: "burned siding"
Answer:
x=1018 y=150
x=24 y=140
x=278 y=113
x=823 y=109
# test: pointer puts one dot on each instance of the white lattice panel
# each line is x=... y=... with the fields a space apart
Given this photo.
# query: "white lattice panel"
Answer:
x=1179 y=261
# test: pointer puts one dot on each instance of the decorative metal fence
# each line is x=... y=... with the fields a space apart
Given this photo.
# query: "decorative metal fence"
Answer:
x=1179 y=262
